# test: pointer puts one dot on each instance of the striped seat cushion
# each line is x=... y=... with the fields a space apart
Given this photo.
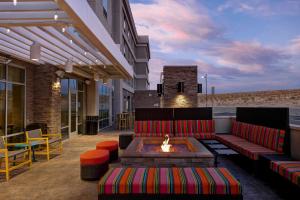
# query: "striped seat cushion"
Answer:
x=244 y=147
x=288 y=169
x=153 y=128
x=241 y=129
x=268 y=137
x=200 y=129
x=205 y=181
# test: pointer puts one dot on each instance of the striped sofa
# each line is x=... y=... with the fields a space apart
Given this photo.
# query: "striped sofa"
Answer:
x=200 y=129
x=252 y=140
x=169 y=183
x=287 y=169
x=153 y=128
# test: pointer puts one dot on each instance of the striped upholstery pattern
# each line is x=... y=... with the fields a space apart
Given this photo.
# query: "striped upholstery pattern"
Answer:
x=288 y=169
x=244 y=147
x=217 y=181
x=268 y=137
x=153 y=128
x=200 y=129
x=241 y=129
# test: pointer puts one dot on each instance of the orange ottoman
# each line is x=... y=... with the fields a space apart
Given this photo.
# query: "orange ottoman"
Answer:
x=94 y=164
x=112 y=147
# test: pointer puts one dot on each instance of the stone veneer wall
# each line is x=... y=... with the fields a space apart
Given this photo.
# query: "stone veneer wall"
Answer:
x=173 y=75
x=289 y=98
x=46 y=99
x=146 y=99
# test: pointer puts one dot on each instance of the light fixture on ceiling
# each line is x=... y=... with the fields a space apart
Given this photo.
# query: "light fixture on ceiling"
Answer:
x=8 y=30
x=15 y=2
x=105 y=81
x=63 y=29
x=35 y=51
x=85 y=53
x=60 y=73
x=96 y=77
x=55 y=17
x=71 y=41
x=69 y=66
x=104 y=66
x=88 y=82
x=97 y=61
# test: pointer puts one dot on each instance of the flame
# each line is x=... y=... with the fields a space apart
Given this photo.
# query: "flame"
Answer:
x=165 y=147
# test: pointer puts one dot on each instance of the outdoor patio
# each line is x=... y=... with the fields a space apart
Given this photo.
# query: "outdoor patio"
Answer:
x=59 y=178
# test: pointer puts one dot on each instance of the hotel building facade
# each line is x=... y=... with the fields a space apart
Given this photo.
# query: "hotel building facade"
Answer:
x=62 y=61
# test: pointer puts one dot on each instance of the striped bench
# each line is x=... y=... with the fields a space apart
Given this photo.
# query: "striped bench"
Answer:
x=169 y=183
x=287 y=169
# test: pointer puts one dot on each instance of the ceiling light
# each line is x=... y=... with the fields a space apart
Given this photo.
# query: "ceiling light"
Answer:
x=35 y=51
x=55 y=17
x=104 y=66
x=71 y=41
x=85 y=53
x=80 y=63
x=97 y=61
x=63 y=29
x=8 y=30
x=96 y=77
x=15 y=2
x=69 y=66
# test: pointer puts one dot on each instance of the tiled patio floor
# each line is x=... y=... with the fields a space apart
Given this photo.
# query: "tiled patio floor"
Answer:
x=58 y=179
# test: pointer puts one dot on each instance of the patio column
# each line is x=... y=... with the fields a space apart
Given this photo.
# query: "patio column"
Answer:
x=92 y=99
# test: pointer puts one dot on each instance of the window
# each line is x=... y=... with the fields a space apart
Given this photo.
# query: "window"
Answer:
x=12 y=100
x=104 y=106
x=105 y=7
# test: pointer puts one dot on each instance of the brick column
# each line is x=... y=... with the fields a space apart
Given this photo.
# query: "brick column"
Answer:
x=46 y=98
x=173 y=75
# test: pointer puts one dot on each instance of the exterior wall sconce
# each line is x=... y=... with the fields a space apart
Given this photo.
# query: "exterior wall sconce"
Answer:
x=199 y=88
x=35 y=51
x=159 y=89
x=180 y=87
x=56 y=85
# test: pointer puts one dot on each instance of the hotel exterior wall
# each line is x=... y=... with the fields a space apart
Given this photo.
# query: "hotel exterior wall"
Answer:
x=146 y=99
x=289 y=98
x=173 y=75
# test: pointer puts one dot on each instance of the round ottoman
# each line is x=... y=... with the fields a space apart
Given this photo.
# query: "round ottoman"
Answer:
x=112 y=147
x=94 y=164
x=125 y=139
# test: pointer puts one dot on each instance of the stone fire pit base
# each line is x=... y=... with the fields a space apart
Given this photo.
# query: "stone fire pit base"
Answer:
x=196 y=154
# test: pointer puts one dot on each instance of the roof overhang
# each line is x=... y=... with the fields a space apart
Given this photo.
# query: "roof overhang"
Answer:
x=76 y=33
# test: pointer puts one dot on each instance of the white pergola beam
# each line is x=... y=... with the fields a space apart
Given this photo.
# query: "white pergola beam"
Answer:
x=33 y=15
x=28 y=6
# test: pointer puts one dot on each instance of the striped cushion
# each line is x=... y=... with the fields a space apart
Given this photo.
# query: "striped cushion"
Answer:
x=200 y=129
x=288 y=169
x=241 y=129
x=205 y=181
x=184 y=128
x=153 y=128
x=204 y=126
x=267 y=137
x=244 y=147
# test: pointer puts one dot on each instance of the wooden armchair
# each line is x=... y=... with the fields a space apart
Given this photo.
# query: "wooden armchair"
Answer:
x=13 y=159
x=47 y=144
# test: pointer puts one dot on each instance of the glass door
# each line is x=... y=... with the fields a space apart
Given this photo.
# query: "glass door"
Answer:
x=72 y=107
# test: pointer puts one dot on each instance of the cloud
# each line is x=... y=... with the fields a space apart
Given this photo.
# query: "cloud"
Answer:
x=173 y=24
x=262 y=8
x=251 y=57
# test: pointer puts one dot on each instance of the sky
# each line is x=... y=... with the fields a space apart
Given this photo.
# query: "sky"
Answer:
x=242 y=45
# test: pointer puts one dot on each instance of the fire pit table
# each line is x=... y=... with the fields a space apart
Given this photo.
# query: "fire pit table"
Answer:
x=182 y=152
